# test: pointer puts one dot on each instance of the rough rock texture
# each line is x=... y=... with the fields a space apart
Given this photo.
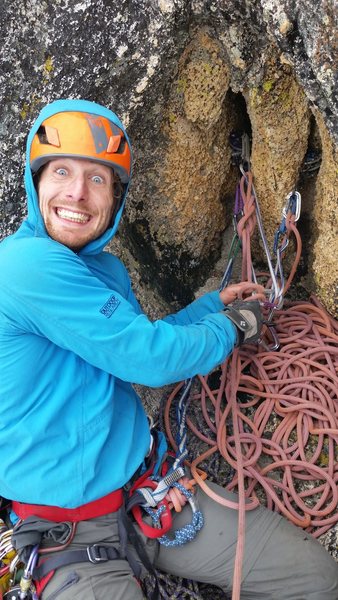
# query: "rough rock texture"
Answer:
x=183 y=74
x=186 y=180
x=108 y=51
x=280 y=121
x=324 y=266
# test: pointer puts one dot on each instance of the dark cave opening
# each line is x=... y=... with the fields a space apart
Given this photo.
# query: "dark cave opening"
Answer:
x=239 y=124
x=306 y=185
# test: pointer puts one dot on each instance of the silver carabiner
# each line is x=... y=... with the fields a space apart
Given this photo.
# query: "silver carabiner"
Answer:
x=275 y=343
x=293 y=204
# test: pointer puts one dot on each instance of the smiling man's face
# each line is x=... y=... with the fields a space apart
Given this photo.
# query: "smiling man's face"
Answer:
x=76 y=200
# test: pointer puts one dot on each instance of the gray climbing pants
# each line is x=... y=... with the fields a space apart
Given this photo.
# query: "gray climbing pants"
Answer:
x=281 y=562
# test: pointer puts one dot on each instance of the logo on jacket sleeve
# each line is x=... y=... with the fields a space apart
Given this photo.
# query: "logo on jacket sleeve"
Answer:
x=110 y=306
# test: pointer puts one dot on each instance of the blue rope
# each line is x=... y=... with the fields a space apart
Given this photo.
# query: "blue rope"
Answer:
x=186 y=533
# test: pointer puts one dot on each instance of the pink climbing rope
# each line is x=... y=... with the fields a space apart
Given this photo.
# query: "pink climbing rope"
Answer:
x=273 y=416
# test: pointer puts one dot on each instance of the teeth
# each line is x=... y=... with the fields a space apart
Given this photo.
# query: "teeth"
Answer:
x=72 y=216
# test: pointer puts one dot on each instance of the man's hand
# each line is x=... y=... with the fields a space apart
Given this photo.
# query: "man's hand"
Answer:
x=247 y=317
x=232 y=292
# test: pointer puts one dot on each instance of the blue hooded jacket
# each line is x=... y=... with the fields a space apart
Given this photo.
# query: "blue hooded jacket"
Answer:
x=72 y=341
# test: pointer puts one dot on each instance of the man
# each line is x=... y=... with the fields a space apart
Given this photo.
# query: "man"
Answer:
x=73 y=338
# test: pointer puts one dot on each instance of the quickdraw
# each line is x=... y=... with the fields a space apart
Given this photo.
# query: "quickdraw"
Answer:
x=291 y=208
x=149 y=492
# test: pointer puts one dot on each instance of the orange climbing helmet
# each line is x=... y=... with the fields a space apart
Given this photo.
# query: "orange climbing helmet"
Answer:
x=73 y=134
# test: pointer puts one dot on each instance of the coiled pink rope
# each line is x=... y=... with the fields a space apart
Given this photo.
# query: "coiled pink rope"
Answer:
x=282 y=442
x=293 y=397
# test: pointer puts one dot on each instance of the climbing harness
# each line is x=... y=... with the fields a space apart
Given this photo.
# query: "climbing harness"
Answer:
x=36 y=570
x=148 y=491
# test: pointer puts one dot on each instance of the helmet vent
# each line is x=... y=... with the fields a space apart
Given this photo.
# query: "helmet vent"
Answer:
x=116 y=144
x=122 y=146
x=41 y=133
x=48 y=135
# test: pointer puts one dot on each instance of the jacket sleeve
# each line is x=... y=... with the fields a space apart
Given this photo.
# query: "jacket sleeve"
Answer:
x=53 y=294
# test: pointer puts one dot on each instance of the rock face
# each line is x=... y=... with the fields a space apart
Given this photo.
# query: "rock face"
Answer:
x=324 y=266
x=182 y=75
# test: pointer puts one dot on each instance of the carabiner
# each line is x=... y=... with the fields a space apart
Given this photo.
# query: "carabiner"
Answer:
x=293 y=205
x=165 y=518
x=272 y=331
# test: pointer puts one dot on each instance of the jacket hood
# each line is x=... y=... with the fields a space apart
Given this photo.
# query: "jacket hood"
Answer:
x=34 y=218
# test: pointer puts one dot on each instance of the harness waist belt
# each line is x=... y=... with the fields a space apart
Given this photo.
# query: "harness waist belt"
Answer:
x=110 y=503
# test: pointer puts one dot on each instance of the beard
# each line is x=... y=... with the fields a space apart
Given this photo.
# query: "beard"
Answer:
x=72 y=236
